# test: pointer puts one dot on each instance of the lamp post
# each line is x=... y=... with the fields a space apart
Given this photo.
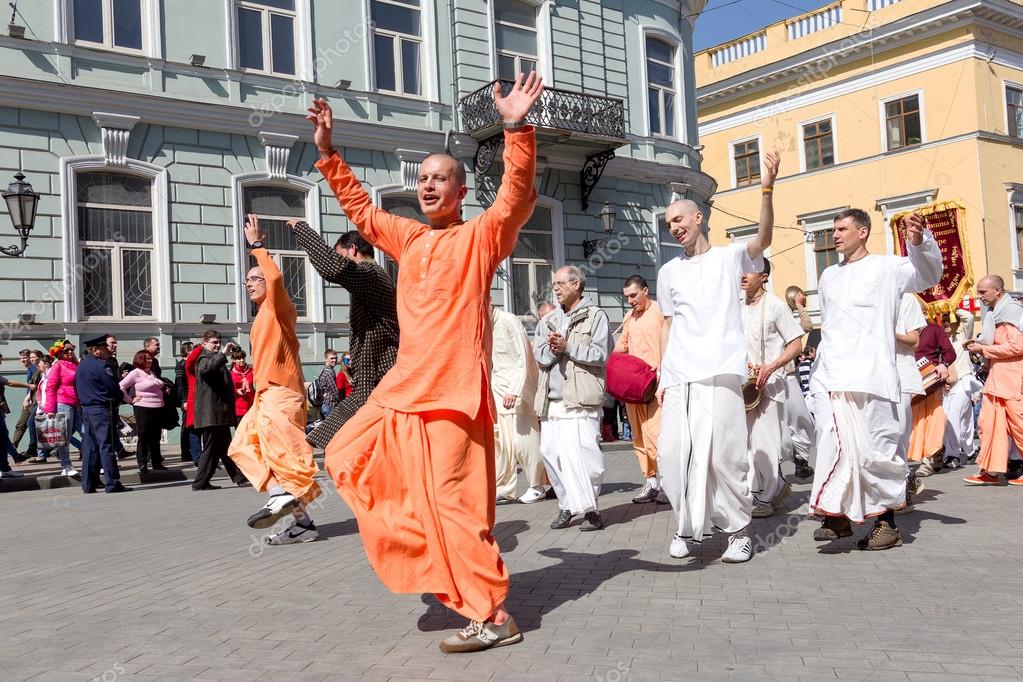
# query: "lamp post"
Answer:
x=607 y=220
x=22 y=202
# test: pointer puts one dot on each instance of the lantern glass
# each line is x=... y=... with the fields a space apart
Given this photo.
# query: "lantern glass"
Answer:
x=607 y=217
x=22 y=202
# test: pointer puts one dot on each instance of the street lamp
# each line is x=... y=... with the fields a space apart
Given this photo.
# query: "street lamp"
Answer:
x=607 y=220
x=22 y=201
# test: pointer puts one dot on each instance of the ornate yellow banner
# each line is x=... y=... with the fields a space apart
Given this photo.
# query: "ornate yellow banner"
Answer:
x=947 y=222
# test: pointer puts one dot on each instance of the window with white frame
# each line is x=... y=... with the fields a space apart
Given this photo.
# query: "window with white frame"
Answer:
x=398 y=46
x=818 y=144
x=902 y=122
x=110 y=24
x=406 y=206
x=1017 y=221
x=266 y=36
x=667 y=246
x=516 y=42
x=661 y=93
x=114 y=215
x=1014 y=110
x=825 y=253
x=275 y=206
x=746 y=157
x=532 y=262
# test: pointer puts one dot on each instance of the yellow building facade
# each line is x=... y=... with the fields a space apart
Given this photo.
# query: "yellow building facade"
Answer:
x=883 y=105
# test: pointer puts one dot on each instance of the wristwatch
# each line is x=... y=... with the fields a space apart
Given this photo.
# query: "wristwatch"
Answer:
x=256 y=245
x=514 y=125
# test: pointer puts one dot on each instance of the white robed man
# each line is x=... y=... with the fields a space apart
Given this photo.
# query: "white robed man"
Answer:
x=701 y=452
x=641 y=337
x=855 y=382
x=513 y=381
x=572 y=344
x=958 y=400
x=908 y=325
x=773 y=341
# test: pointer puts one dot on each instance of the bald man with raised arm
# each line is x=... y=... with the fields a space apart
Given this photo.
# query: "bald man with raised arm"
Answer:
x=701 y=451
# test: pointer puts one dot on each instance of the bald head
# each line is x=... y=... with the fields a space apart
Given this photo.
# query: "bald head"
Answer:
x=685 y=223
x=990 y=288
x=456 y=167
x=683 y=206
x=991 y=281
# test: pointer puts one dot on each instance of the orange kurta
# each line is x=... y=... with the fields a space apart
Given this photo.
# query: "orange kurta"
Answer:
x=270 y=439
x=928 y=433
x=641 y=336
x=1001 y=410
x=416 y=463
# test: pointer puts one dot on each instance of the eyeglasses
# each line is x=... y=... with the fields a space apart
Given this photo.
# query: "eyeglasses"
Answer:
x=255 y=279
x=563 y=283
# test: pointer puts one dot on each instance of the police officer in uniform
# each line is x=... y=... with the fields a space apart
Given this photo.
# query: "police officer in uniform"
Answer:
x=99 y=394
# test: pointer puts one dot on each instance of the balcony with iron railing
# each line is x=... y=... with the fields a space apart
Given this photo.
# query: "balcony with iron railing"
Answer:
x=579 y=116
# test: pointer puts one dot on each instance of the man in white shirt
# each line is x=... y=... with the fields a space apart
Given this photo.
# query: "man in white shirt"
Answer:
x=701 y=451
x=773 y=340
x=908 y=326
x=513 y=382
x=958 y=401
x=855 y=381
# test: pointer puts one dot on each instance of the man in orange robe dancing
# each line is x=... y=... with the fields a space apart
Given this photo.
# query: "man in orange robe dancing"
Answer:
x=269 y=445
x=416 y=463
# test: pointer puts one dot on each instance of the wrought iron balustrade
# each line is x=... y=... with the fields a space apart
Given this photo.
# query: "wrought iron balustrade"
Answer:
x=556 y=109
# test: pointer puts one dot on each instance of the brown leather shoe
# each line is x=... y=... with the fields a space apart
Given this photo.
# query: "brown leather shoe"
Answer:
x=883 y=536
x=833 y=528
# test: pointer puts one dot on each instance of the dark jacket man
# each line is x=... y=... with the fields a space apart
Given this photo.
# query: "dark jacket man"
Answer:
x=213 y=418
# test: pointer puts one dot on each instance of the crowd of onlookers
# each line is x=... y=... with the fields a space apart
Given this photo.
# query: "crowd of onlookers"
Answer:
x=209 y=393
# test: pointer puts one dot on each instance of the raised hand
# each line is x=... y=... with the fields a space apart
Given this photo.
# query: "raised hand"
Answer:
x=514 y=106
x=915 y=229
x=322 y=118
x=771 y=162
x=253 y=232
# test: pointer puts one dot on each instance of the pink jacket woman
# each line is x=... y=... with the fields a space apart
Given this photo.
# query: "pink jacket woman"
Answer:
x=60 y=386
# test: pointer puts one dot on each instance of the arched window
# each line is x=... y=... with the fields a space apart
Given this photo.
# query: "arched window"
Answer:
x=275 y=206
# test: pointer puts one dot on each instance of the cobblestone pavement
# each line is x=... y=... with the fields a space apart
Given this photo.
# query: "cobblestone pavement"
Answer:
x=163 y=583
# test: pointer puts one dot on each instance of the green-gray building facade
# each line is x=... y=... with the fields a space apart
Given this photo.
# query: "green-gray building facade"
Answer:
x=151 y=127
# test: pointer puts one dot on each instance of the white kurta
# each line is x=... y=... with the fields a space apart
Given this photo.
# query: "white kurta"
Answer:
x=769 y=327
x=856 y=383
x=514 y=372
x=701 y=454
x=797 y=436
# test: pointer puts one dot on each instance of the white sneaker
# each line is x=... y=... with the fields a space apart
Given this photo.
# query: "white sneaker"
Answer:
x=72 y=473
x=679 y=548
x=11 y=474
x=534 y=494
x=293 y=534
x=740 y=549
x=276 y=507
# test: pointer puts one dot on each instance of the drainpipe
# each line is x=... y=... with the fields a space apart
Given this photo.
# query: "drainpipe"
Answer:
x=454 y=74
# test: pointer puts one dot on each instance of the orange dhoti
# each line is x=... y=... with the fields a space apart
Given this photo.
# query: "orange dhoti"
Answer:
x=270 y=441
x=422 y=488
x=928 y=434
x=645 y=420
x=1000 y=420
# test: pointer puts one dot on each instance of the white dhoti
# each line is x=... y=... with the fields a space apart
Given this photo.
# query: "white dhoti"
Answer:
x=798 y=432
x=958 y=404
x=701 y=456
x=859 y=470
x=570 y=445
x=765 y=442
x=518 y=446
x=904 y=415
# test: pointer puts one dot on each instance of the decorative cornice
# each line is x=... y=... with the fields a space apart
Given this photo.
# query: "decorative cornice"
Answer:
x=115 y=132
x=278 y=151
